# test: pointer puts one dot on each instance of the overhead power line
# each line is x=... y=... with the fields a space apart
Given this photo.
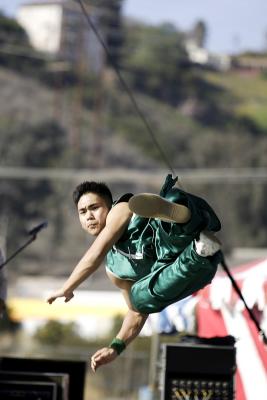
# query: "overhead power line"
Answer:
x=205 y=175
x=127 y=89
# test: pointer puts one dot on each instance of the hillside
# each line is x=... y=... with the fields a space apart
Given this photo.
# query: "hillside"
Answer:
x=112 y=136
x=28 y=102
x=249 y=91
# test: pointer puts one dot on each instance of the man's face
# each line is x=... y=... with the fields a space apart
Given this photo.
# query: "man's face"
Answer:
x=93 y=212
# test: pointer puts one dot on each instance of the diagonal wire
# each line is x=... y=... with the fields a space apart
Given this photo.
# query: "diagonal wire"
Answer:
x=127 y=89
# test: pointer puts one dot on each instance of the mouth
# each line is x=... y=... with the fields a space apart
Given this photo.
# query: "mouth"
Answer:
x=92 y=226
x=93 y=229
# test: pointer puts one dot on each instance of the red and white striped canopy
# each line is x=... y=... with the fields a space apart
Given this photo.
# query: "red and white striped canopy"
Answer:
x=220 y=312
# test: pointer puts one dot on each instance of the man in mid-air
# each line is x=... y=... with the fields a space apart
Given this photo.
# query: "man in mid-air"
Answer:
x=158 y=250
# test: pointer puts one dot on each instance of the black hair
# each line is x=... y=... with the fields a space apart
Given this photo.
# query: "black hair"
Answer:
x=99 y=188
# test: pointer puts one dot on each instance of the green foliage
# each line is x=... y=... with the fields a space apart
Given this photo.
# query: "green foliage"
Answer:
x=156 y=64
x=244 y=101
x=16 y=52
x=155 y=59
x=12 y=32
x=200 y=33
x=41 y=145
x=57 y=79
x=56 y=333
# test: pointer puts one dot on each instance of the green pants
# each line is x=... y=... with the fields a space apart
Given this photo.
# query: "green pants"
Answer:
x=175 y=281
x=179 y=271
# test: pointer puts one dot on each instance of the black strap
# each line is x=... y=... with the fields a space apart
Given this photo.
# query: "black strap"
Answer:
x=123 y=199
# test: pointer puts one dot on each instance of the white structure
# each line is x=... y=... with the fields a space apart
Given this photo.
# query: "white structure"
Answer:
x=59 y=29
x=201 y=56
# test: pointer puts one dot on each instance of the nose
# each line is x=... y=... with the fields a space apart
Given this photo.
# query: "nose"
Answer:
x=89 y=214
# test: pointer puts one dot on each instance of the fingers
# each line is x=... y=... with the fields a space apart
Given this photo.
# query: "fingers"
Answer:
x=58 y=294
x=95 y=360
x=93 y=364
x=53 y=297
x=101 y=357
x=50 y=300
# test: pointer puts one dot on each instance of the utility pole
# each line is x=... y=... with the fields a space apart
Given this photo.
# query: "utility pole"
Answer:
x=80 y=70
x=98 y=121
x=87 y=47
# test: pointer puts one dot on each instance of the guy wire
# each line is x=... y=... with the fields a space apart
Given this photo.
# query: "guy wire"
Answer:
x=127 y=89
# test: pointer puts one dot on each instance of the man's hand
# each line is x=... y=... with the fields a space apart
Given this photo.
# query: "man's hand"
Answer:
x=60 y=293
x=103 y=356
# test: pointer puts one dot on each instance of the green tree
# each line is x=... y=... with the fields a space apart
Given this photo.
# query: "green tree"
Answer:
x=57 y=333
x=12 y=32
x=199 y=33
x=42 y=145
x=7 y=324
x=16 y=51
x=155 y=59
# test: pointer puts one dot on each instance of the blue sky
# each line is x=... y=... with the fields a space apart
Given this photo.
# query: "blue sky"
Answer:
x=233 y=25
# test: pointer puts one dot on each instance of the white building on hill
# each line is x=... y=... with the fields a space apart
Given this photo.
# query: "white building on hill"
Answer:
x=59 y=29
x=201 y=56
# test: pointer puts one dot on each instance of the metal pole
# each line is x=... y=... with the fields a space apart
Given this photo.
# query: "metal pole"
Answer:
x=18 y=251
x=238 y=291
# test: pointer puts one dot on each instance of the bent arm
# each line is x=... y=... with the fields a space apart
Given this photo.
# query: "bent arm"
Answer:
x=132 y=324
x=133 y=321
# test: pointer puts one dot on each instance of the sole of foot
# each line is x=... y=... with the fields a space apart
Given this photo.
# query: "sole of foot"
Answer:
x=150 y=205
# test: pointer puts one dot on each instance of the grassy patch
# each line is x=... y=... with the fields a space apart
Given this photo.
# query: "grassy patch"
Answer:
x=250 y=93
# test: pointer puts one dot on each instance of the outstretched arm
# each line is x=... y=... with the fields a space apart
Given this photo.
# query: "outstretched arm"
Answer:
x=117 y=220
x=131 y=327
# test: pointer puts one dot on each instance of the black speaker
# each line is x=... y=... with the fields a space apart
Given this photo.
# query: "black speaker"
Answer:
x=41 y=379
x=27 y=390
x=32 y=385
x=197 y=371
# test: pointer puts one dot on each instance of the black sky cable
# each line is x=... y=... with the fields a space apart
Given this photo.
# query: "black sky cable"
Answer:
x=127 y=88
